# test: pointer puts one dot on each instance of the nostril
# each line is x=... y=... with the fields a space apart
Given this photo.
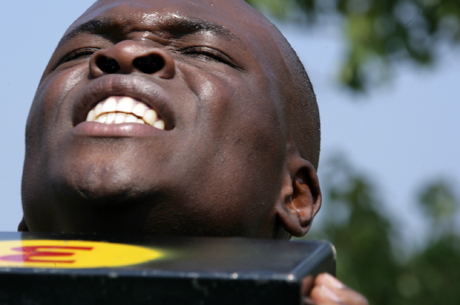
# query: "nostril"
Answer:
x=149 y=64
x=107 y=65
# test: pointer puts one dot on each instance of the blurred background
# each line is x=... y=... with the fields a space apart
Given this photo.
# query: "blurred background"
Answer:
x=386 y=75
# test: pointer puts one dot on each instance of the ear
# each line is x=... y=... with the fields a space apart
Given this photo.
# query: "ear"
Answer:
x=23 y=226
x=301 y=197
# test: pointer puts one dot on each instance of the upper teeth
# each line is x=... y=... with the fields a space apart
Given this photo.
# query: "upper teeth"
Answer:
x=117 y=110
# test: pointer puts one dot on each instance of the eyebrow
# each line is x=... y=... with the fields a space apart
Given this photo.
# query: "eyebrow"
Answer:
x=90 y=27
x=174 y=26
x=183 y=26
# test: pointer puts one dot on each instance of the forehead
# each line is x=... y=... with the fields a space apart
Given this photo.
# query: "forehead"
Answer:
x=231 y=16
x=227 y=9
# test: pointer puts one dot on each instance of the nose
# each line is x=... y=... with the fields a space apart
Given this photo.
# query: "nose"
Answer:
x=130 y=56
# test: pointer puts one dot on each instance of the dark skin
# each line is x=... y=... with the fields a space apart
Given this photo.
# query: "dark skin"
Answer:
x=225 y=164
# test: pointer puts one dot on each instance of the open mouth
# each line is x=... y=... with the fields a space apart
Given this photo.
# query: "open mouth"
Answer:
x=124 y=109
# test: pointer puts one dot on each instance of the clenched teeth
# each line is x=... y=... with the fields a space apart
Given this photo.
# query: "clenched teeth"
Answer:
x=117 y=110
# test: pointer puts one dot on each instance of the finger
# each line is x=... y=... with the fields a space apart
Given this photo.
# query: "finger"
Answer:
x=308 y=301
x=336 y=288
x=307 y=285
x=323 y=295
x=349 y=296
x=329 y=281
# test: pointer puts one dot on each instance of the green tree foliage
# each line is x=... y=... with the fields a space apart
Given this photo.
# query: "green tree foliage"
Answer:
x=433 y=273
x=367 y=247
x=378 y=32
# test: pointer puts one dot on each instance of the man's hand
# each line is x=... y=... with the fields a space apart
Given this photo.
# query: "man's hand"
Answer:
x=327 y=290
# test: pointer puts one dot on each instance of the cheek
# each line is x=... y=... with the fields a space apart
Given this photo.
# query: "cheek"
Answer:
x=49 y=102
x=244 y=141
x=230 y=104
x=58 y=88
x=238 y=117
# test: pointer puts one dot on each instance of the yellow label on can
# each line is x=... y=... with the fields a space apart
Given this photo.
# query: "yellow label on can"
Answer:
x=72 y=254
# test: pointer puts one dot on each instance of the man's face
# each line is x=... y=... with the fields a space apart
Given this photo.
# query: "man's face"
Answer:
x=206 y=68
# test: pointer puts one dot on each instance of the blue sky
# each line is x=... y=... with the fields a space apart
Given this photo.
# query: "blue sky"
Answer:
x=402 y=134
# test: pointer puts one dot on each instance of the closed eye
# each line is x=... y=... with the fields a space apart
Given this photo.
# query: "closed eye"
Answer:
x=78 y=54
x=210 y=54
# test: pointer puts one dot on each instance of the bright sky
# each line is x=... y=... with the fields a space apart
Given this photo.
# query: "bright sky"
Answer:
x=402 y=134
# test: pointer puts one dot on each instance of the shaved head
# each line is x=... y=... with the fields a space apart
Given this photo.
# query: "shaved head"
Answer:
x=299 y=98
x=304 y=117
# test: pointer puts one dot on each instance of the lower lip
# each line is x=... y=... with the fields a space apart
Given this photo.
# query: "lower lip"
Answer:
x=125 y=130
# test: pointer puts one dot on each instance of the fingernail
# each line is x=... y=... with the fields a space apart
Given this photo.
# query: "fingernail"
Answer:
x=330 y=294
x=334 y=282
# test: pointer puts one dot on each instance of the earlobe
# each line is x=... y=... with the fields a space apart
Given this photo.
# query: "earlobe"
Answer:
x=23 y=226
x=303 y=200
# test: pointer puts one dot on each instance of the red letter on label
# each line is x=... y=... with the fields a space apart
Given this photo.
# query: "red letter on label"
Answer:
x=29 y=253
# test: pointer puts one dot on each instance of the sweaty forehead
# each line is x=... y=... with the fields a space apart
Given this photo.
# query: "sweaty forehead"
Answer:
x=229 y=17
